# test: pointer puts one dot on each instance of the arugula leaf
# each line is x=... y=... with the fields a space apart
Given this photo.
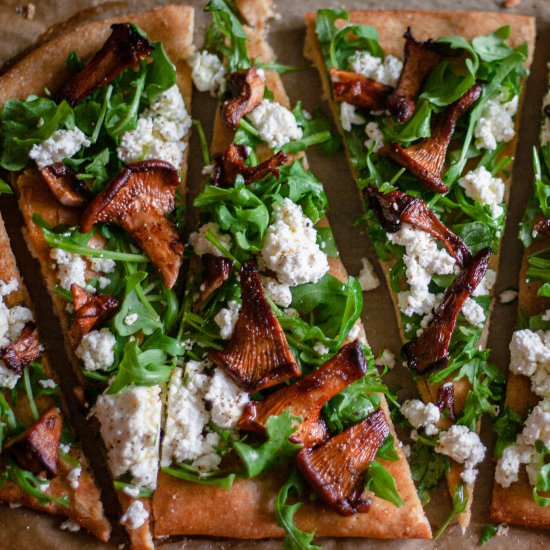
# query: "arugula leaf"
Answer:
x=5 y=188
x=417 y=127
x=428 y=468
x=542 y=483
x=8 y=422
x=381 y=483
x=275 y=450
x=506 y=427
x=214 y=478
x=325 y=27
x=350 y=39
x=294 y=538
x=493 y=47
x=74 y=63
x=387 y=450
x=326 y=241
x=161 y=73
x=460 y=501
x=487 y=533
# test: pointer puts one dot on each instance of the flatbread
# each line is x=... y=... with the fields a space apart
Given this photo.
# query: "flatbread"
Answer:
x=392 y=24
x=45 y=68
x=246 y=510
x=85 y=504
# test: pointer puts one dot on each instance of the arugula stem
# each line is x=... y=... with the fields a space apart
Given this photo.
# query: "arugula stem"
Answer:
x=30 y=397
x=102 y=113
x=202 y=139
x=55 y=242
x=247 y=127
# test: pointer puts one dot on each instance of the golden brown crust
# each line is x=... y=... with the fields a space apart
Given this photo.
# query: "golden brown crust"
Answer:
x=392 y=24
x=247 y=509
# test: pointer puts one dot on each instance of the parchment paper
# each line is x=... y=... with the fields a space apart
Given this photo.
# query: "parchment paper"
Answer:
x=22 y=530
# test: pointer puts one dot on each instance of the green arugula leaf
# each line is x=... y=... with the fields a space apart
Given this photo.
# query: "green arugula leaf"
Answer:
x=161 y=73
x=74 y=63
x=326 y=29
x=487 y=533
x=460 y=501
x=5 y=188
x=387 y=450
x=506 y=427
x=142 y=492
x=215 y=478
x=542 y=483
x=381 y=483
x=428 y=468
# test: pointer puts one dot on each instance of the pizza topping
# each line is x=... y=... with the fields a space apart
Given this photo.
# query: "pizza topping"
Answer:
x=216 y=271
x=375 y=137
x=37 y=448
x=64 y=185
x=446 y=400
x=386 y=71
x=420 y=59
x=349 y=116
x=483 y=187
x=358 y=90
x=60 y=145
x=135 y=516
x=367 y=278
x=421 y=415
x=226 y=319
x=201 y=245
x=542 y=227
x=139 y=200
x=90 y=310
x=257 y=355
x=430 y=350
x=335 y=469
x=231 y=163
x=395 y=208
x=97 y=349
x=124 y=48
x=245 y=91
x=426 y=159
x=496 y=124
x=207 y=72
x=22 y=351
x=276 y=125
x=306 y=397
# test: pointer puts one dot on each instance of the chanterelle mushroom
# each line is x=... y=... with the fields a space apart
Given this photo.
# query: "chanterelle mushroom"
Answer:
x=431 y=350
x=359 y=90
x=426 y=159
x=446 y=400
x=245 y=91
x=22 y=351
x=216 y=271
x=543 y=227
x=37 y=448
x=306 y=397
x=257 y=356
x=335 y=469
x=139 y=200
x=64 y=185
x=396 y=207
x=124 y=48
x=420 y=59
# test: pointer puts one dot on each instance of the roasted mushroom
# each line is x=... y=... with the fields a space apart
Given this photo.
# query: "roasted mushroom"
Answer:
x=359 y=90
x=22 y=351
x=229 y=164
x=90 y=310
x=124 y=48
x=257 y=356
x=396 y=207
x=245 y=91
x=64 y=185
x=446 y=399
x=139 y=200
x=426 y=159
x=431 y=350
x=306 y=397
x=420 y=59
x=37 y=448
x=216 y=271
x=335 y=469
x=543 y=227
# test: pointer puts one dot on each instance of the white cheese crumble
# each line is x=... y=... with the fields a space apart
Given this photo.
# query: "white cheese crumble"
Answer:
x=275 y=124
x=71 y=268
x=207 y=72
x=421 y=415
x=375 y=135
x=290 y=246
x=464 y=447
x=60 y=145
x=97 y=349
x=508 y=465
x=496 y=123
x=320 y=349
x=278 y=292
x=226 y=319
x=103 y=265
x=349 y=116
x=473 y=312
x=7 y=287
x=386 y=358
x=131 y=319
x=387 y=70
x=70 y=525
x=367 y=278
x=423 y=259
x=159 y=132
x=73 y=476
x=508 y=296
x=201 y=245
x=481 y=186
x=135 y=516
x=131 y=490
x=48 y=383
x=486 y=285
x=130 y=427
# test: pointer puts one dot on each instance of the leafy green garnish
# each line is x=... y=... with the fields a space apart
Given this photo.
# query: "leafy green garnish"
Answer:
x=214 y=478
x=506 y=427
x=487 y=533
x=142 y=492
x=460 y=502
x=5 y=188
x=428 y=468
x=381 y=483
x=542 y=481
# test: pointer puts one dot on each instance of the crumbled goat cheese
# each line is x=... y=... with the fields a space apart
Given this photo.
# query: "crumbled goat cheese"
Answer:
x=481 y=186
x=103 y=282
x=103 y=265
x=496 y=123
x=537 y=425
x=73 y=476
x=8 y=377
x=275 y=124
x=486 y=285
x=278 y=292
x=130 y=427
x=509 y=463
x=159 y=131
x=502 y=530
x=320 y=349
x=131 y=319
x=367 y=278
x=131 y=490
x=60 y=145
x=386 y=71
x=207 y=72
x=354 y=331
x=406 y=450
x=422 y=259
x=135 y=516
x=97 y=349
x=421 y=415
x=226 y=319
x=71 y=268
x=348 y=116
x=508 y=296
x=464 y=447
x=7 y=287
x=473 y=312
x=226 y=400
x=70 y=525
x=375 y=135
x=48 y=383
x=290 y=246
x=386 y=358
x=201 y=245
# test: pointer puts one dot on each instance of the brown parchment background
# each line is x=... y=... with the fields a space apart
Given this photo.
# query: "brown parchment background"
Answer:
x=22 y=530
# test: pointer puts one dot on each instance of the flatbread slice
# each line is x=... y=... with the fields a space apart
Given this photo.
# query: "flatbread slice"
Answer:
x=72 y=492
x=246 y=510
x=392 y=26
x=45 y=68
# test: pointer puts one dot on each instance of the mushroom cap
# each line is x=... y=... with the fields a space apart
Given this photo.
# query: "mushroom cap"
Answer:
x=359 y=90
x=64 y=184
x=22 y=351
